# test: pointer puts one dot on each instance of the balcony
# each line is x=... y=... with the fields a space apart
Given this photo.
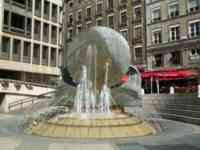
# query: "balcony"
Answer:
x=16 y=57
x=70 y=24
x=137 y=20
x=122 y=25
x=174 y=14
x=26 y=59
x=88 y=18
x=110 y=10
x=45 y=62
x=54 y=39
x=53 y=62
x=78 y=22
x=156 y=20
x=36 y=60
x=136 y=2
x=99 y=14
x=194 y=10
x=137 y=40
x=5 y=55
x=37 y=36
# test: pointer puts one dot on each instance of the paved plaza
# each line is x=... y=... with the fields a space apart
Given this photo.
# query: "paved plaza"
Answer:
x=175 y=136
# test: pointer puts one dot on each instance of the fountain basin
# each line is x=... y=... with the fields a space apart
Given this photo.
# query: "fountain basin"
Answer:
x=117 y=126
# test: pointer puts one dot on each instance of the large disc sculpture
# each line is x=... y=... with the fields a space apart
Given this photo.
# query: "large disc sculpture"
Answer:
x=96 y=60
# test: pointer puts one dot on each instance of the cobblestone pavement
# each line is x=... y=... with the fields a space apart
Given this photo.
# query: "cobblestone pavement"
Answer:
x=177 y=136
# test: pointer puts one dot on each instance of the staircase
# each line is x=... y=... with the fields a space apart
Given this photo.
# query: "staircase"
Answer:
x=184 y=108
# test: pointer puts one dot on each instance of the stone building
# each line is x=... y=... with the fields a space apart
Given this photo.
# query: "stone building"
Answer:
x=30 y=36
x=30 y=50
x=124 y=16
x=173 y=33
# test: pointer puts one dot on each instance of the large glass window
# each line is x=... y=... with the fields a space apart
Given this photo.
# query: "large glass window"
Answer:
x=157 y=37
x=173 y=10
x=194 y=5
x=174 y=33
x=156 y=15
x=194 y=29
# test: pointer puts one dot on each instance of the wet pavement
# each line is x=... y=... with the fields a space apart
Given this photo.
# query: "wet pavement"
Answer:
x=176 y=136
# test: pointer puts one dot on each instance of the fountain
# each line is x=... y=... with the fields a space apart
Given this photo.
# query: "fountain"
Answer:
x=94 y=113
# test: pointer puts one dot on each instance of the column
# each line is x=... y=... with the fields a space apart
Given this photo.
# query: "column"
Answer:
x=42 y=9
x=22 y=51
x=11 y=49
x=32 y=31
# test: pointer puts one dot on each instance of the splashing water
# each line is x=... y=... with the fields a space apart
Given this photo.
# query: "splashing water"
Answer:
x=85 y=99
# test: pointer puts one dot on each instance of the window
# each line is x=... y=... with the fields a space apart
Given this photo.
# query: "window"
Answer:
x=174 y=33
x=5 y=44
x=123 y=1
x=157 y=37
x=89 y=12
x=99 y=8
x=36 y=50
x=156 y=15
x=110 y=4
x=194 y=54
x=27 y=48
x=18 y=22
x=157 y=60
x=46 y=32
x=194 y=29
x=123 y=18
x=138 y=52
x=54 y=11
x=99 y=22
x=16 y=47
x=70 y=19
x=125 y=34
x=44 y=52
x=79 y=29
x=88 y=25
x=71 y=3
x=6 y=17
x=111 y=21
x=175 y=58
x=79 y=16
x=173 y=10
x=138 y=32
x=46 y=9
x=138 y=13
x=194 y=5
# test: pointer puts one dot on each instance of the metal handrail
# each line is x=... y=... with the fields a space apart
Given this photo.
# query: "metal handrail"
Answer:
x=27 y=100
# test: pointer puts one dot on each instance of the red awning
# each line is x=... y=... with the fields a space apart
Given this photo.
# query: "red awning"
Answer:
x=171 y=74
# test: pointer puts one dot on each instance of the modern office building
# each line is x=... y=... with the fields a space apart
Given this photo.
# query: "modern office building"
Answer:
x=30 y=35
x=173 y=33
x=124 y=16
x=30 y=50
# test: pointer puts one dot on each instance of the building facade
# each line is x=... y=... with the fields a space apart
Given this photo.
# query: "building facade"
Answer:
x=124 y=16
x=30 y=40
x=173 y=33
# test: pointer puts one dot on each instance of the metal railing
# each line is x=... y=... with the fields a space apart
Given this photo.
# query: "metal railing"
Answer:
x=32 y=100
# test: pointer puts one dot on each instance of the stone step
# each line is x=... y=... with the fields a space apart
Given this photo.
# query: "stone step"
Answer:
x=189 y=113
x=182 y=118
